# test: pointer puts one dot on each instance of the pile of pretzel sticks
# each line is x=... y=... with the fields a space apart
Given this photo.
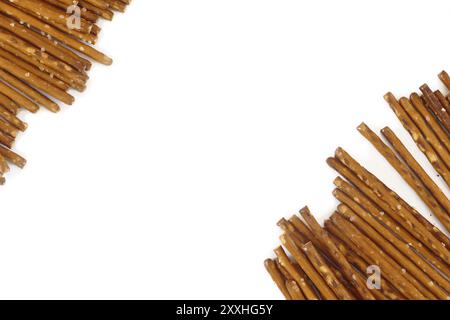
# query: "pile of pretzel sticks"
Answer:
x=46 y=48
x=374 y=232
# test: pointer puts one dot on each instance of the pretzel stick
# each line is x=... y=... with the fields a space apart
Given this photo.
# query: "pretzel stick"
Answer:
x=297 y=274
x=12 y=119
x=334 y=252
x=13 y=157
x=327 y=274
x=9 y=104
x=445 y=78
x=379 y=209
x=431 y=120
x=4 y=168
x=350 y=206
x=294 y=290
x=413 y=181
x=399 y=212
x=18 y=98
x=436 y=107
x=277 y=277
x=444 y=102
x=307 y=267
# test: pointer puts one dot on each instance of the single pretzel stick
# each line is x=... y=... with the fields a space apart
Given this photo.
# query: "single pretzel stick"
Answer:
x=13 y=157
x=18 y=98
x=12 y=119
x=435 y=105
x=334 y=252
x=413 y=181
x=294 y=290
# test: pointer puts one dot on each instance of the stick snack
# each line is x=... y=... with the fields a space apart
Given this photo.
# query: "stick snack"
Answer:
x=373 y=229
x=45 y=51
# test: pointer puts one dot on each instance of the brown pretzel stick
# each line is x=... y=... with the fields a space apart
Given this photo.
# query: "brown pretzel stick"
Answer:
x=352 y=254
x=381 y=210
x=299 y=276
x=18 y=98
x=277 y=277
x=398 y=211
x=334 y=252
x=417 y=136
x=445 y=78
x=435 y=105
x=404 y=171
x=12 y=119
x=421 y=272
x=13 y=157
x=307 y=267
x=377 y=258
x=327 y=274
x=294 y=290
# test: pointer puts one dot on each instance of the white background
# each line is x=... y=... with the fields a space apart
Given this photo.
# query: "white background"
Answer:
x=168 y=175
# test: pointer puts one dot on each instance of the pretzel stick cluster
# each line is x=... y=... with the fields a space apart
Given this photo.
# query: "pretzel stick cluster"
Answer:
x=46 y=48
x=373 y=228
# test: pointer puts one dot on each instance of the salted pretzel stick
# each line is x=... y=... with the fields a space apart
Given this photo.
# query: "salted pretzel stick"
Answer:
x=364 y=196
x=417 y=136
x=277 y=277
x=445 y=78
x=351 y=206
x=4 y=168
x=413 y=181
x=417 y=277
x=6 y=140
x=58 y=35
x=13 y=157
x=347 y=248
x=400 y=213
x=294 y=290
x=436 y=107
x=29 y=91
x=334 y=252
x=403 y=152
x=307 y=267
x=373 y=252
x=327 y=274
x=305 y=285
x=296 y=275
x=12 y=119
x=18 y=98
x=444 y=102
x=9 y=104
x=5 y=127
x=430 y=119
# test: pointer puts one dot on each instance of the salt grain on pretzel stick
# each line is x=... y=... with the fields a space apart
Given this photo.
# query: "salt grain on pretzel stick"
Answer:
x=307 y=267
x=417 y=277
x=58 y=35
x=277 y=277
x=405 y=172
x=403 y=152
x=327 y=274
x=365 y=245
x=351 y=206
x=347 y=248
x=334 y=252
x=401 y=214
x=364 y=196
x=417 y=136
x=294 y=272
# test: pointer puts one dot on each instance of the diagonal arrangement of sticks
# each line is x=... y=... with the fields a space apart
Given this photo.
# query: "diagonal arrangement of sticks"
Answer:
x=374 y=232
x=43 y=57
